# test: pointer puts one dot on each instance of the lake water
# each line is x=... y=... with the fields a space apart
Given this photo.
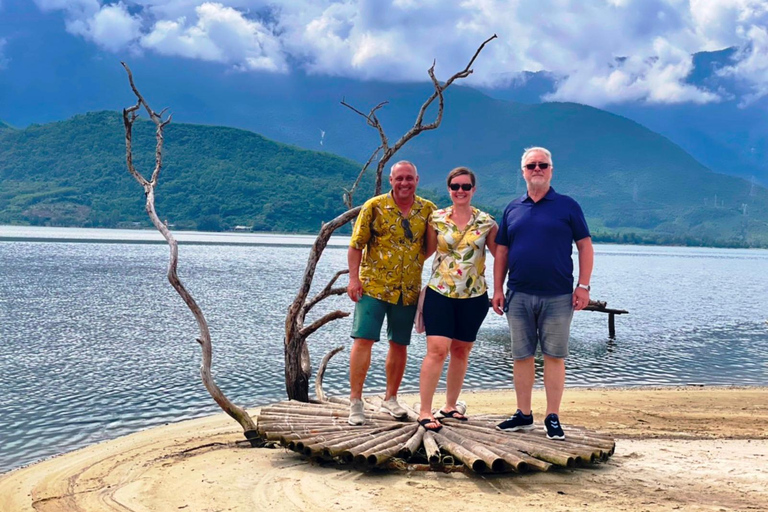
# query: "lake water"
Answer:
x=94 y=342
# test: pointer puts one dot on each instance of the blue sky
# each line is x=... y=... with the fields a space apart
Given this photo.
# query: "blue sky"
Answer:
x=603 y=51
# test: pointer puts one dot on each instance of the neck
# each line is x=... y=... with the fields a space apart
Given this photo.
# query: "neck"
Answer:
x=404 y=204
x=464 y=209
x=537 y=193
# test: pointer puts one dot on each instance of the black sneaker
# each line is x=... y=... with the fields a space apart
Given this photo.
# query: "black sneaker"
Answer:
x=517 y=421
x=553 y=427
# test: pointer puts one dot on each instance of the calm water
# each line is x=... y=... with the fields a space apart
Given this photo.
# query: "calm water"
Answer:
x=96 y=344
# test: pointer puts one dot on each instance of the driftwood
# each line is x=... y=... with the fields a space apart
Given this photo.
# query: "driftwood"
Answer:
x=130 y=115
x=601 y=307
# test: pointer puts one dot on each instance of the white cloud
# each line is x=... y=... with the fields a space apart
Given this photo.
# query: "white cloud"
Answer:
x=111 y=27
x=220 y=34
x=608 y=51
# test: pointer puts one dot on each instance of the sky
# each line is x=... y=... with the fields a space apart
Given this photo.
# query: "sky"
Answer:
x=602 y=52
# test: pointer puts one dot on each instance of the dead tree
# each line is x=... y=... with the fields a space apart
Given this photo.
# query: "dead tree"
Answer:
x=297 y=363
x=129 y=117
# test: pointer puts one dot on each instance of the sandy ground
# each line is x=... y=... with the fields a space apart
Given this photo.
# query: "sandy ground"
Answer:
x=677 y=449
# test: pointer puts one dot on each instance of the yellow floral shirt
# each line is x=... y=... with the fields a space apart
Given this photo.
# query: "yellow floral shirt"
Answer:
x=459 y=272
x=393 y=248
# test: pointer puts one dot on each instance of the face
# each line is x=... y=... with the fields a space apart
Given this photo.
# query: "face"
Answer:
x=461 y=196
x=537 y=177
x=404 y=181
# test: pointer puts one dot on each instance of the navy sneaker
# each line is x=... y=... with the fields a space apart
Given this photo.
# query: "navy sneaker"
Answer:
x=553 y=427
x=517 y=421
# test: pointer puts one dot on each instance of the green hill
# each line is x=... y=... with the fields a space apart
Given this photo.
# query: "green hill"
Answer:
x=73 y=173
x=634 y=185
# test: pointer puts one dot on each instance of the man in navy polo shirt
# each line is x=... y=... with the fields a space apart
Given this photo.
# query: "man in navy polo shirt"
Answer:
x=534 y=244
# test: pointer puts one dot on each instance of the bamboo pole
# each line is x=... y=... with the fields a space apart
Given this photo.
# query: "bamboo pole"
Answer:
x=533 y=449
x=491 y=459
x=379 y=441
x=431 y=449
x=351 y=439
x=412 y=444
x=384 y=450
x=471 y=460
x=336 y=449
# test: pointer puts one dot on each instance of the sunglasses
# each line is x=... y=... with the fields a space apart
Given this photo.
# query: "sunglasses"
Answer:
x=463 y=186
x=542 y=166
x=407 y=229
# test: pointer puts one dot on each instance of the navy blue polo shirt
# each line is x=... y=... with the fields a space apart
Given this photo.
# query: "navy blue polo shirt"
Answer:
x=540 y=236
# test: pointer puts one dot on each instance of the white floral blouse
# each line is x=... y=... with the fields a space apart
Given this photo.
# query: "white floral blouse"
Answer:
x=459 y=272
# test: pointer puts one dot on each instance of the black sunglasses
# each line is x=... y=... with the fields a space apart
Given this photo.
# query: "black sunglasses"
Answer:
x=463 y=186
x=407 y=229
x=542 y=166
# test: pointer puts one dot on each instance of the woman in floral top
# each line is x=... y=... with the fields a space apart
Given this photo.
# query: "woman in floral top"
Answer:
x=456 y=300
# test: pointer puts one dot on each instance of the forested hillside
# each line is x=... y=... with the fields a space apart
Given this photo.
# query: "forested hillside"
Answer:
x=73 y=173
x=633 y=184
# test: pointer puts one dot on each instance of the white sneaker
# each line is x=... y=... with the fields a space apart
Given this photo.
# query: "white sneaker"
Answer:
x=356 y=412
x=394 y=409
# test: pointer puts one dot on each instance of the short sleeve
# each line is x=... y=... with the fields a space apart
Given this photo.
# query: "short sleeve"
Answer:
x=361 y=233
x=502 y=235
x=578 y=223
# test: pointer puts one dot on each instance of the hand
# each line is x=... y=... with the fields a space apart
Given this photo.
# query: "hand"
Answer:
x=580 y=299
x=355 y=289
x=498 y=302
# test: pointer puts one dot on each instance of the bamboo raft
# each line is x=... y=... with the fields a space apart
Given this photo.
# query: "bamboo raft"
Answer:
x=320 y=431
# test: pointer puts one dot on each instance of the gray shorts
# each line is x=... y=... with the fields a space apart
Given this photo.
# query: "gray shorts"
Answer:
x=539 y=319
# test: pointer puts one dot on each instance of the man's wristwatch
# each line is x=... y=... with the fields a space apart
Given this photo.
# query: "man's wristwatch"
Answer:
x=584 y=286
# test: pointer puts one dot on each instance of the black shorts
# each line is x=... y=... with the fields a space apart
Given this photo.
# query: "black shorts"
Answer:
x=458 y=319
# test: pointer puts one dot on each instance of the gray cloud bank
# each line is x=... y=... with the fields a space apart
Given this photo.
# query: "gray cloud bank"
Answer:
x=606 y=51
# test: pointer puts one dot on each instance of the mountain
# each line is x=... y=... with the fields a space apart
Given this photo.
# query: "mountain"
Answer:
x=4 y=126
x=73 y=173
x=727 y=136
x=633 y=184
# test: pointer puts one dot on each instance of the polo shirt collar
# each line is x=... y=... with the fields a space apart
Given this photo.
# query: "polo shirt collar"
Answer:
x=549 y=196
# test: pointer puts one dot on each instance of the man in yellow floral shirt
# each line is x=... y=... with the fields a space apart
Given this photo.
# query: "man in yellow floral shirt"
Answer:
x=386 y=255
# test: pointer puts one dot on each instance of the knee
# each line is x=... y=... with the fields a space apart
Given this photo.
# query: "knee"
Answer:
x=437 y=353
x=461 y=353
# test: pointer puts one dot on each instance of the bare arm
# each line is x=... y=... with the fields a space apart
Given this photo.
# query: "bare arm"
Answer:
x=499 y=275
x=586 y=261
x=355 y=287
x=490 y=240
x=431 y=241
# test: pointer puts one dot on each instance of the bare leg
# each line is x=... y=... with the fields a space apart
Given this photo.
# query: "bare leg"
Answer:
x=554 y=382
x=457 y=369
x=524 y=374
x=359 y=362
x=395 y=368
x=431 y=368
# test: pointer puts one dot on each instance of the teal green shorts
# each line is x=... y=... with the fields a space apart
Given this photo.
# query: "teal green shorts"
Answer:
x=369 y=317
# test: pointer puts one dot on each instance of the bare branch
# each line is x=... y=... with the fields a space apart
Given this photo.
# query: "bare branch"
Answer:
x=327 y=291
x=321 y=372
x=129 y=117
x=328 y=317
x=348 y=201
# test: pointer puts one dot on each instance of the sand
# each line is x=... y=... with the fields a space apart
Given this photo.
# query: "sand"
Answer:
x=677 y=449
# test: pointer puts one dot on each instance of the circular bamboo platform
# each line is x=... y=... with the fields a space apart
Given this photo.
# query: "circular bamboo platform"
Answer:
x=320 y=431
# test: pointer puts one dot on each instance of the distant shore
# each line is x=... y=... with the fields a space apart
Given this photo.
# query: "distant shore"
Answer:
x=688 y=448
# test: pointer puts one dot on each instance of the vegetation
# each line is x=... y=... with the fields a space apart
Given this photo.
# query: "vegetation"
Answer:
x=634 y=185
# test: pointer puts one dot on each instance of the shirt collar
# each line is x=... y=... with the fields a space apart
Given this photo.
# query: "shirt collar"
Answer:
x=549 y=196
x=390 y=204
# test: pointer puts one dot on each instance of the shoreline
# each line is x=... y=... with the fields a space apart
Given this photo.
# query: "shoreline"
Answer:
x=696 y=448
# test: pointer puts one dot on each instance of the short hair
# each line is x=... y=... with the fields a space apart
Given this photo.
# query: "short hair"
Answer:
x=461 y=171
x=539 y=149
x=403 y=162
